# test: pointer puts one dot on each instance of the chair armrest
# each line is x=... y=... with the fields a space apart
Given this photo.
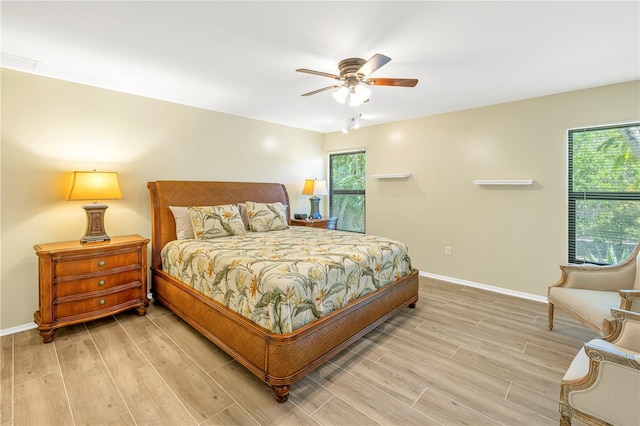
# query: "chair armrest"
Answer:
x=600 y=350
x=630 y=300
x=630 y=294
x=626 y=332
x=594 y=277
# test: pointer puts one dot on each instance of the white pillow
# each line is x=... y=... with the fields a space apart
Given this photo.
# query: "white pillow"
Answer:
x=184 y=228
x=244 y=215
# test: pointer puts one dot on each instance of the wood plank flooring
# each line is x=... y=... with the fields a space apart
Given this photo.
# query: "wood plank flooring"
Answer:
x=463 y=356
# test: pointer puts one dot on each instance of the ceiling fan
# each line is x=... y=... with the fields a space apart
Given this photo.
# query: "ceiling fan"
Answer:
x=353 y=78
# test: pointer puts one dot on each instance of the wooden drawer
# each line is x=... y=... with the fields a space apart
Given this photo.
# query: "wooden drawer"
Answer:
x=66 y=287
x=71 y=307
x=329 y=223
x=80 y=282
x=101 y=261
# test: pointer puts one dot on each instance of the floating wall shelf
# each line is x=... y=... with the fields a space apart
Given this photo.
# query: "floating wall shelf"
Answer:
x=503 y=181
x=391 y=176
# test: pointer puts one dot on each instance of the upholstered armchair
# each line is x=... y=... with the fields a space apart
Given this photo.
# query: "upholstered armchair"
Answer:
x=602 y=385
x=588 y=292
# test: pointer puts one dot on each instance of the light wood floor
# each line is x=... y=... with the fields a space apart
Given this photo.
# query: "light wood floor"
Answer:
x=462 y=357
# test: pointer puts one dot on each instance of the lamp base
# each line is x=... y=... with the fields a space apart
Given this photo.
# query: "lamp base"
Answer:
x=315 y=208
x=95 y=223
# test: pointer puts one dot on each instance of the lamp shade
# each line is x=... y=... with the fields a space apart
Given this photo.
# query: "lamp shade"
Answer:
x=95 y=186
x=315 y=187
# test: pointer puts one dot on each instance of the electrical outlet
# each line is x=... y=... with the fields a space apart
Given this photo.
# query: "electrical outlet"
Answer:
x=447 y=250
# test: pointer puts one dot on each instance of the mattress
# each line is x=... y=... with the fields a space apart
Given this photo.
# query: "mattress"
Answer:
x=282 y=280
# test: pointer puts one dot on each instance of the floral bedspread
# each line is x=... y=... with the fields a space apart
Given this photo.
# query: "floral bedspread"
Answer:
x=282 y=280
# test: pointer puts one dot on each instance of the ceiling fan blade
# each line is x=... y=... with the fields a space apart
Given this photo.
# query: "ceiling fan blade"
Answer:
x=398 y=82
x=335 y=86
x=323 y=74
x=373 y=64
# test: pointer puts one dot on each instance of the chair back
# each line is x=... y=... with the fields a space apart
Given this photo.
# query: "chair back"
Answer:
x=636 y=283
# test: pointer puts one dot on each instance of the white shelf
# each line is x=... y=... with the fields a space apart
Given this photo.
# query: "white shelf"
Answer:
x=391 y=176
x=503 y=181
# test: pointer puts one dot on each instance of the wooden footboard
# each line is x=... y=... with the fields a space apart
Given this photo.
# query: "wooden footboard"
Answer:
x=278 y=359
x=282 y=359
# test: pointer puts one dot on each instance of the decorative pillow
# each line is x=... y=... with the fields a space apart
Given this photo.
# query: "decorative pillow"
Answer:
x=266 y=216
x=216 y=221
x=244 y=215
x=184 y=228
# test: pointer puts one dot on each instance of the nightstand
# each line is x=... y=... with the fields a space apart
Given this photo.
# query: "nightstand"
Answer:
x=82 y=282
x=330 y=223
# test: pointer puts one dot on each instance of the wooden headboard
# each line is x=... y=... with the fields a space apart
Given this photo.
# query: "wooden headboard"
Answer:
x=165 y=193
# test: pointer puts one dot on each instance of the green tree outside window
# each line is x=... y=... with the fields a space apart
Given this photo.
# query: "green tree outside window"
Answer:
x=604 y=193
x=347 y=182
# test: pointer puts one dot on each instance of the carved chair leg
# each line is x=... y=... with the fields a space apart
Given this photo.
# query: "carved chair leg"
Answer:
x=566 y=413
x=550 y=316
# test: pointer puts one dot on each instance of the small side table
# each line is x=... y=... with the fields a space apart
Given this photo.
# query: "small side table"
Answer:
x=83 y=282
x=325 y=223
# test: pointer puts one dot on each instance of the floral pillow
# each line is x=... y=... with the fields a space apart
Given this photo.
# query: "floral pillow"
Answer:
x=216 y=221
x=265 y=217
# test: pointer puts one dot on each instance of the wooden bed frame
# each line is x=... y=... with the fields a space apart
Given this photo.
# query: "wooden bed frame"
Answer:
x=277 y=359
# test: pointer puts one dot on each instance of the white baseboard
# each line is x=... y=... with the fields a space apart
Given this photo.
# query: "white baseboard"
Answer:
x=501 y=290
x=523 y=295
x=17 y=329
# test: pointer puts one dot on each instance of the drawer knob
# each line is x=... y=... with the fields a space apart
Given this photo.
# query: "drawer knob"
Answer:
x=102 y=282
x=101 y=302
x=102 y=263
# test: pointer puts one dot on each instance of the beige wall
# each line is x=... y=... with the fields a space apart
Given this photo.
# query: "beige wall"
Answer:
x=51 y=127
x=509 y=237
x=512 y=238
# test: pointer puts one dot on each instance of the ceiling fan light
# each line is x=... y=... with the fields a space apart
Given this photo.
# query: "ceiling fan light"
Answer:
x=352 y=124
x=347 y=127
x=354 y=101
x=363 y=93
x=341 y=94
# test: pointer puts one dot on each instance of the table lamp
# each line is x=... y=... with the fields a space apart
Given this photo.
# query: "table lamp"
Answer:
x=314 y=188
x=95 y=186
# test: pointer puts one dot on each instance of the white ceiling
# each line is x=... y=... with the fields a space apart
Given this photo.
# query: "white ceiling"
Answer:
x=240 y=57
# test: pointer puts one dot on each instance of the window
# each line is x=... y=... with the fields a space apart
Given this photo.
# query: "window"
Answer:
x=347 y=180
x=604 y=193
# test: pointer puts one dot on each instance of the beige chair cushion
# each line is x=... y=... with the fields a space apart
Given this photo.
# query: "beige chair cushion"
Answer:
x=600 y=278
x=579 y=367
x=614 y=395
x=592 y=305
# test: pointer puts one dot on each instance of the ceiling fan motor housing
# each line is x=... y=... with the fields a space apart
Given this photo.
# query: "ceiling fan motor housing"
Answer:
x=349 y=70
